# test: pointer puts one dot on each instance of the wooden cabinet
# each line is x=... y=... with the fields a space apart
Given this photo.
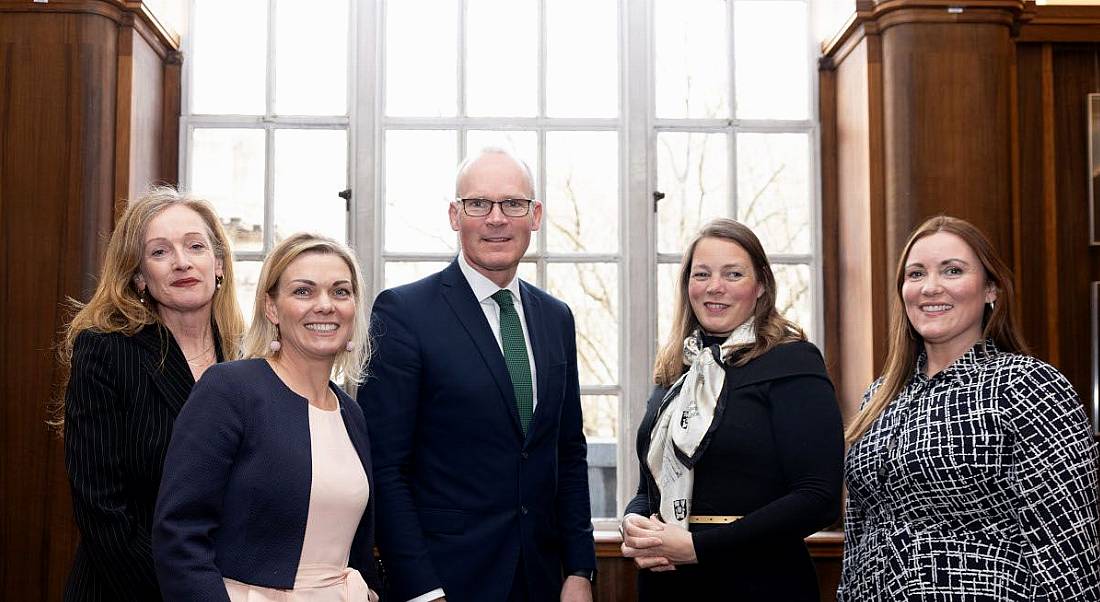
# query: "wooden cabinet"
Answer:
x=89 y=114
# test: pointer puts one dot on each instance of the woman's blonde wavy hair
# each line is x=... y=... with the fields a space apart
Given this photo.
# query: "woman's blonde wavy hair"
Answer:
x=116 y=304
x=772 y=328
x=999 y=322
x=257 y=342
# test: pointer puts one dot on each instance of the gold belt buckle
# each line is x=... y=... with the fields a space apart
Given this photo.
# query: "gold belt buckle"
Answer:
x=704 y=519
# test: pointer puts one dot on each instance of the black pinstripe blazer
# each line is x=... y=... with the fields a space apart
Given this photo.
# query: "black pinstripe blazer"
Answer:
x=123 y=398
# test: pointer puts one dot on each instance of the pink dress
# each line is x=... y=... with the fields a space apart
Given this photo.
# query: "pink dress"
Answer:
x=337 y=498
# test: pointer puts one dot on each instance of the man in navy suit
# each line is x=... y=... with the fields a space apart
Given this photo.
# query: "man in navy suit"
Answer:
x=473 y=407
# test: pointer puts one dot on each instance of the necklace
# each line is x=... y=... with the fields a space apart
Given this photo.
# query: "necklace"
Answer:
x=200 y=355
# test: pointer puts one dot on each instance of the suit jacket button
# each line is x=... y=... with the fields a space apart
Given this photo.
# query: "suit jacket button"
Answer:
x=523 y=509
x=523 y=455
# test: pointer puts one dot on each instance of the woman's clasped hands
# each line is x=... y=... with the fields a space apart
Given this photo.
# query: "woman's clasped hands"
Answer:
x=655 y=544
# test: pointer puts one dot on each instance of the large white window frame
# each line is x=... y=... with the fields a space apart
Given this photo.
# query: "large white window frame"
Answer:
x=269 y=122
x=638 y=129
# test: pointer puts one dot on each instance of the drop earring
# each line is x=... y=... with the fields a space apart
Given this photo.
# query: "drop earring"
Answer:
x=350 y=346
x=275 y=345
x=218 y=282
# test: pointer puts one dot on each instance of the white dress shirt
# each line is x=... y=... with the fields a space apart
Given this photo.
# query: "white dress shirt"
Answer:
x=484 y=289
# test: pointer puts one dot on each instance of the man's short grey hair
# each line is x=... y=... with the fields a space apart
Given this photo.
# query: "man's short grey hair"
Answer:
x=493 y=150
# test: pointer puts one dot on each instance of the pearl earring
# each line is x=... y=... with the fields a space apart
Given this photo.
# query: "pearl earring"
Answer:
x=350 y=346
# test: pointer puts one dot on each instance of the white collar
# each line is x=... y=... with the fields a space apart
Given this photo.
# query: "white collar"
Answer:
x=483 y=287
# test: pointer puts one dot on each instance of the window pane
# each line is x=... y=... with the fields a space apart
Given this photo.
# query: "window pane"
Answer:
x=778 y=87
x=501 y=55
x=773 y=189
x=311 y=57
x=227 y=168
x=523 y=144
x=420 y=174
x=692 y=59
x=666 y=300
x=592 y=292
x=691 y=171
x=601 y=418
x=582 y=192
x=310 y=170
x=582 y=75
x=794 y=298
x=246 y=275
x=421 y=57
x=404 y=272
x=528 y=271
x=229 y=74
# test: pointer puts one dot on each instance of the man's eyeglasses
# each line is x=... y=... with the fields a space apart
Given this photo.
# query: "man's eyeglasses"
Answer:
x=483 y=207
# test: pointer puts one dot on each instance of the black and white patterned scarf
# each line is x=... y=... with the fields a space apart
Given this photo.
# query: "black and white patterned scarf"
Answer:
x=681 y=430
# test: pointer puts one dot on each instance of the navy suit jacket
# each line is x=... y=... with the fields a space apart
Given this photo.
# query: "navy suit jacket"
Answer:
x=463 y=495
x=235 y=492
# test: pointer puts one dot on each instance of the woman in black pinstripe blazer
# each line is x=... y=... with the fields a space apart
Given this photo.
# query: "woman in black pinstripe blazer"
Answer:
x=163 y=311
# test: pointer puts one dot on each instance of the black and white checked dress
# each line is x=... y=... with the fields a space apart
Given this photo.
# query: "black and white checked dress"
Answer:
x=978 y=484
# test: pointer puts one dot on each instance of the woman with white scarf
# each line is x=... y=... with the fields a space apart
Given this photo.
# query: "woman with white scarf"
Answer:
x=741 y=447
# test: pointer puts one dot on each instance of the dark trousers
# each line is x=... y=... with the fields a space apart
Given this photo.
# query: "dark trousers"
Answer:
x=519 y=585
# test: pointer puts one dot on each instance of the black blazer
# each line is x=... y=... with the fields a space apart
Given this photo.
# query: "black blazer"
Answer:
x=123 y=397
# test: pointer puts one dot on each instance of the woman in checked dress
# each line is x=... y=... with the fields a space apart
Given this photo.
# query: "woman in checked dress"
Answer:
x=972 y=475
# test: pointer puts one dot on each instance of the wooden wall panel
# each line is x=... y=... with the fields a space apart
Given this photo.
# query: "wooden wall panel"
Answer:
x=1034 y=205
x=859 y=220
x=1054 y=262
x=54 y=114
x=984 y=117
x=1076 y=73
x=946 y=126
x=830 y=275
x=977 y=123
x=147 y=117
x=60 y=76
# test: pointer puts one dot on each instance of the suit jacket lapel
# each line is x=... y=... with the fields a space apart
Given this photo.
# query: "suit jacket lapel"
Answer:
x=167 y=367
x=532 y=313
x=459 y=295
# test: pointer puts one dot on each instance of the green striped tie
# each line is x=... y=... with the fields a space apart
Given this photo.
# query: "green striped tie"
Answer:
x=515 y=355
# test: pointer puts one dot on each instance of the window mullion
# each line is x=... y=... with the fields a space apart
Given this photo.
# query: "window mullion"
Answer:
x=269 y=188
x=816 y=234
x=638 y=293
x=361 y=123
x=461 y=57
x=269 y=131
x=269 y=85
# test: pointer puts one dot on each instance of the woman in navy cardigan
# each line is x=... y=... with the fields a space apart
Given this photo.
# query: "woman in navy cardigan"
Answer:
x=267 y=484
